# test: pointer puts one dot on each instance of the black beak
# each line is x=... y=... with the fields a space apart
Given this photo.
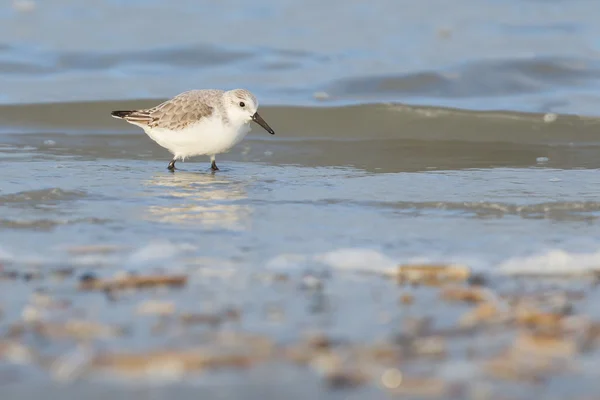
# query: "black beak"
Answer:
x=258 y=119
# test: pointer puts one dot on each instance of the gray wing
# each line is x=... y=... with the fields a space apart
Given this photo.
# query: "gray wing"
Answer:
x=177 y=113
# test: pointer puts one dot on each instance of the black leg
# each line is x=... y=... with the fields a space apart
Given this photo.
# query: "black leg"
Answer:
x=213 y=166
x=171 y=166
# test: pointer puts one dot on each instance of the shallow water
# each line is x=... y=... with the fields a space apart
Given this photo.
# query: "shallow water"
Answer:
x=387 y=150
x=286 y=194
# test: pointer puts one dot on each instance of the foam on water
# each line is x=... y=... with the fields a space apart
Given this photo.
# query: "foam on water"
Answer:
x=371 y=261
x=358 y=260
x=159 y=251
x=553 y=262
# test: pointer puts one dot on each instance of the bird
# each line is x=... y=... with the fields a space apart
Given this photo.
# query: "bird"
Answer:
x=198 y=122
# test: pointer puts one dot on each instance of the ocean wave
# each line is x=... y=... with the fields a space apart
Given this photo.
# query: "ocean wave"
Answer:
x=42 y=196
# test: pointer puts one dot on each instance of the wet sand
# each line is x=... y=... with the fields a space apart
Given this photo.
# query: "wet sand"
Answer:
x=416 y=331
x=424 y=224
x=279 y=276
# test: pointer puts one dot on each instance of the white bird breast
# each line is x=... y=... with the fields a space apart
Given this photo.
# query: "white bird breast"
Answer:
x=207 y=137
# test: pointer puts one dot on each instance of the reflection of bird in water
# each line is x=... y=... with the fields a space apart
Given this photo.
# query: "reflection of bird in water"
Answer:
x=207 y=200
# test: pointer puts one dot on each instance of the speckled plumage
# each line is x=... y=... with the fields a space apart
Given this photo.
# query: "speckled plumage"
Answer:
x=198 y=122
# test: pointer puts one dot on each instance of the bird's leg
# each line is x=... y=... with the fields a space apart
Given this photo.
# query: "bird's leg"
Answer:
x=213 y=164
x=171 y=166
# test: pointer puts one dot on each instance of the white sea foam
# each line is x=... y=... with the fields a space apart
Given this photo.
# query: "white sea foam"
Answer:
x=288 y=261
x=6 y=255
x=552 y=262
x=365 y=260
x=358 y=260
x=159 y=250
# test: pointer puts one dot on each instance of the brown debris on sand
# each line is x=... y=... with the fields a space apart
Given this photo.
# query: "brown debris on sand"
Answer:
x=95 y=249
x=465 y=294
x=432 y=274
x=77 y=329
x=182 y=361
x=133 y=282
x=440 y=319
x=225 y=350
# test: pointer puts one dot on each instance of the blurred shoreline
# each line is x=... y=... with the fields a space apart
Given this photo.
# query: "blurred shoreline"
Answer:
x=527 y=57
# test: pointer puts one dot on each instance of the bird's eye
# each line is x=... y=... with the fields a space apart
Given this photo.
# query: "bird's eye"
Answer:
x=242 y=104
